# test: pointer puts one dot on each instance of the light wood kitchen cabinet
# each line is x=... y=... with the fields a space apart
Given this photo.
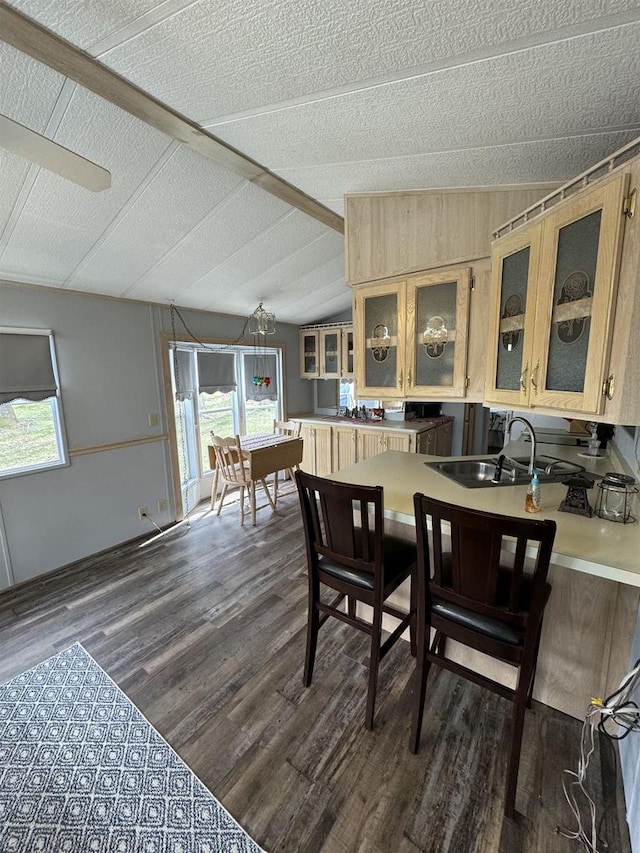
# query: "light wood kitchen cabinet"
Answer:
x=330 y=353
x=374 y=441
x=334 y=445
x=316 y=449
x=345 y=446
x=553 y=303
x=326 y=352
x=309 y=354
x=347 y=363
x=411 y=336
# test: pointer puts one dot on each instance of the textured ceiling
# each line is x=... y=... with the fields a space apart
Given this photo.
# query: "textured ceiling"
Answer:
x=334 y=97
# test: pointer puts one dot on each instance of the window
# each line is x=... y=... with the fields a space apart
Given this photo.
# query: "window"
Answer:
x=238 y=392
x=31 y=430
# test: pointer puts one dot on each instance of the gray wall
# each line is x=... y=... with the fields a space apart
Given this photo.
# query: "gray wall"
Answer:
x=108 y=355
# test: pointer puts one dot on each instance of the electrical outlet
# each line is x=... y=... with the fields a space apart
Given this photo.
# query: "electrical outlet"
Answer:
x=142 y=512
x=162 y=506
x=152 y=417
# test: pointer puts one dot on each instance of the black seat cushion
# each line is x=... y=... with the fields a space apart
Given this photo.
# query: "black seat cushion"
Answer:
x=482 y=624
x=399 y=556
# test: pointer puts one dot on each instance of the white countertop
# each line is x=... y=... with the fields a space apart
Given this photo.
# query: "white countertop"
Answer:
x=417 y=425
x=591 y=545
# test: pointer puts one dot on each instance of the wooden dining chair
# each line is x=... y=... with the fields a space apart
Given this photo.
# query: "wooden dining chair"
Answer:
x=472 y=587
x=349 y=552
x=232 y=470
x=291 y=429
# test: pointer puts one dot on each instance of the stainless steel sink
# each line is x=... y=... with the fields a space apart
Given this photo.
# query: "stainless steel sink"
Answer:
x=479 y=473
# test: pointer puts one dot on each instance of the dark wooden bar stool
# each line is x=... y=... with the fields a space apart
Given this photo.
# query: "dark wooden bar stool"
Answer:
x=476 y=591
x=348 y=551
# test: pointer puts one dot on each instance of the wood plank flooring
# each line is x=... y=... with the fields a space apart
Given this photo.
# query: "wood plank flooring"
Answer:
x=205 y=633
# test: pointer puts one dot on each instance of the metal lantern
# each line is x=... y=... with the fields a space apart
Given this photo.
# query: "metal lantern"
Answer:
x=616 y=498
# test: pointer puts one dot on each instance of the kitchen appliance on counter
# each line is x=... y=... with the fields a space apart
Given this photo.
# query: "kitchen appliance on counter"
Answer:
x=616 y=498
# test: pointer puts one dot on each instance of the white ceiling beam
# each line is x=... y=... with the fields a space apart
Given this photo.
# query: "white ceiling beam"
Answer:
x=45 y=46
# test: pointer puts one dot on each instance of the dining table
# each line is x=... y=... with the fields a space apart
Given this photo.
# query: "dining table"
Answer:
x=265 y=453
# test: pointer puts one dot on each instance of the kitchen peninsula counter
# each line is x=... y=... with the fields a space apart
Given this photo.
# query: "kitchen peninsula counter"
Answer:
x=595 y=572
x=591 y=545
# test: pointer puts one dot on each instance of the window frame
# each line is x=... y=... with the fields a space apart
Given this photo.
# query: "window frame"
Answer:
x=238 y=408
x=56 y=412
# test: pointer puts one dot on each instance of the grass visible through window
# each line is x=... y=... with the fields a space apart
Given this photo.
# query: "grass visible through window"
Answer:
x=27 y=435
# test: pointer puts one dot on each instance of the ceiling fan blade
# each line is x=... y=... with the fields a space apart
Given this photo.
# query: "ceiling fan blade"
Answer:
x=37 y=148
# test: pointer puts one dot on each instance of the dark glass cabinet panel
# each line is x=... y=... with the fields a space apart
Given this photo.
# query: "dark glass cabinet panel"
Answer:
x=435 y=340
x=381 y=344
x=513 y=300
x=347 y=352
x=331 y=353
x=310 y=363
x=577 y=256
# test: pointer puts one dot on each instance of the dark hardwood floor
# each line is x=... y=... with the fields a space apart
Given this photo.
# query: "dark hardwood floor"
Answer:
x=205 y=633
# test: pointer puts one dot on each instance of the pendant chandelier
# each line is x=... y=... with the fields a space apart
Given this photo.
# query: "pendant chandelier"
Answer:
x=261 y=322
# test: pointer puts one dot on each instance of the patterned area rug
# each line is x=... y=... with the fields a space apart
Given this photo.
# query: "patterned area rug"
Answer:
x=82 y=771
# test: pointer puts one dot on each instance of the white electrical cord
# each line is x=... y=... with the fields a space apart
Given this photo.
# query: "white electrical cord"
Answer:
x=619 y=709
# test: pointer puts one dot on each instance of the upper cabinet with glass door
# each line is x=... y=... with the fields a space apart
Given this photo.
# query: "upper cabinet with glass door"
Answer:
x=379 y=329
x=411 y=336
x=347 y=364
x=437 y=330
x=554 y=284
x=514 y=266
x=330 y=353
x=309 y=354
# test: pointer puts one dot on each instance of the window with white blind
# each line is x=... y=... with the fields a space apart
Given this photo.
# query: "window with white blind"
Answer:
x=225 y=389
x=31 y=428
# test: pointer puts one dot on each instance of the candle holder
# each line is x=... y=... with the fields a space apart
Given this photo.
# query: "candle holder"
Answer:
x=576 y=500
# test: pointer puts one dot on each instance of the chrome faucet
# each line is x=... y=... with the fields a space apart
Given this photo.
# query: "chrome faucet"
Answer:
x=530 y=430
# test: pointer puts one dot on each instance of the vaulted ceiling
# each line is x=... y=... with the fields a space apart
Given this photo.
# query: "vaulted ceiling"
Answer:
x=330 y=97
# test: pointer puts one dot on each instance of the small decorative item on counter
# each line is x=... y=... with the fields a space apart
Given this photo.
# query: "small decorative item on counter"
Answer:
x=576 y=499
x=616 y=497
x=532 y=500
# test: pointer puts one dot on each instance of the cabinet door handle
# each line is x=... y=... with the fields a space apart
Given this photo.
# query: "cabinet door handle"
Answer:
x=400 y=379
x=409 y=378
x=534 y=376
x=523 y=384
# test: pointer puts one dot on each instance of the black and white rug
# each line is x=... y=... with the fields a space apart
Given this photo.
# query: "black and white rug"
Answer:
x=82 y=771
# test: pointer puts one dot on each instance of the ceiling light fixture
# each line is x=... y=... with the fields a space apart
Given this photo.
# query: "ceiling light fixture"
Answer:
x=261 y=322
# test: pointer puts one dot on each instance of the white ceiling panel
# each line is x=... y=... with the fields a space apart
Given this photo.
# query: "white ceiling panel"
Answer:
x=168 y=207
x=256 y=53
x=274 y=282
x=555 y=161
x=295 y=265
x=29 y=90
x=13 y=172
x=580 y=86
x=86 y=23
x=368 y=95
x=66 y=218
x=327 y=278
x=235 y=222
x=272 y=245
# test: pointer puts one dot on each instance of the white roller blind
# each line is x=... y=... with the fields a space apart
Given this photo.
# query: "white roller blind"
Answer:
x=26 y=368
x=216 y=372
